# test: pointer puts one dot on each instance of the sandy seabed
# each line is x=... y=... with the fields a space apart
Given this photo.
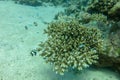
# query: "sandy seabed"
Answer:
x=19 y=35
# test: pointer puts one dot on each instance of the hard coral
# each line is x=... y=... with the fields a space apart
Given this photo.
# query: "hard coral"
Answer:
x=114 y=12
x=102 y=6
x=111 y=56
x=70 y=45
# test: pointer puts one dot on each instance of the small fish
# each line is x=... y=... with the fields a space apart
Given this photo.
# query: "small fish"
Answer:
x=33 y=52
x=35 y=23
x=26 y=28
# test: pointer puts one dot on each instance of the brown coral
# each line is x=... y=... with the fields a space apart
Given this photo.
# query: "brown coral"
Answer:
x=71 y=45
x=102 y=6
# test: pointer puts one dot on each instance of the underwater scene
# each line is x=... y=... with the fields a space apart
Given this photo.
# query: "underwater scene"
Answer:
x=60 y=40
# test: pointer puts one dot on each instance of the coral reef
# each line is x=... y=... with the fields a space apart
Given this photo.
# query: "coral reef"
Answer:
x=114 y=12
x=71 y=45
x=66 y=2
x=106 y=15
x=102 y=6
x=114 y=39
x=83 y=17
x=29 y=2
x=110 y=8
x=51 y=2
x=75 y=7
x=86 y=17
x=98 y=17
x=111 y=56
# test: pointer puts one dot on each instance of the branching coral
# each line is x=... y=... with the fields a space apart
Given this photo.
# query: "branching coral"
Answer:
x=86 y=17
x=99 y=17
x=70 y=44
x=102 y=6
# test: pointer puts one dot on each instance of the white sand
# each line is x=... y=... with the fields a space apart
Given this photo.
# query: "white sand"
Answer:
x=16 y=42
